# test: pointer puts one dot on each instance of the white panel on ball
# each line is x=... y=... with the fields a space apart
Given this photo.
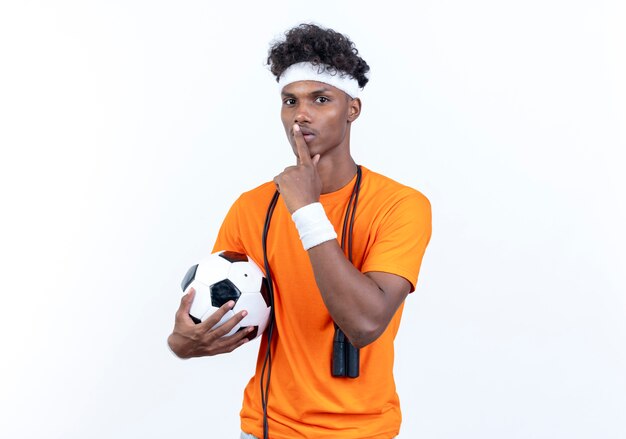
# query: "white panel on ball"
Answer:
x=212 y=269
x=202 y=299
x=258 y=311
x=246 y=275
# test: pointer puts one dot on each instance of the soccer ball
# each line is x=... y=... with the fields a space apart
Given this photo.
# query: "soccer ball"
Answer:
x=225 y=276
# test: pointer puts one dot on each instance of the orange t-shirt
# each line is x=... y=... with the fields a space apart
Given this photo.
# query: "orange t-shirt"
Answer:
x=392 y=228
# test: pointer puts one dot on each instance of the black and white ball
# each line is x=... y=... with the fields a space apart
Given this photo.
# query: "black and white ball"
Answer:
x=225 y=276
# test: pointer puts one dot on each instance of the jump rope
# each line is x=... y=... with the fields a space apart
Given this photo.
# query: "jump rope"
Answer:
x=345 y=360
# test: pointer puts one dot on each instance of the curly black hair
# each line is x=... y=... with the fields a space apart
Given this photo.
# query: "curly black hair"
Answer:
x=311 y=43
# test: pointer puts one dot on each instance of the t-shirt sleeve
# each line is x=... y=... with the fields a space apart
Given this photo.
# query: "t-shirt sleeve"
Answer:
x=401 y=237
x=229 y=236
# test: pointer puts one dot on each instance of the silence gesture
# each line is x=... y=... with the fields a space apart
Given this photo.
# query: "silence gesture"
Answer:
x=300 y=185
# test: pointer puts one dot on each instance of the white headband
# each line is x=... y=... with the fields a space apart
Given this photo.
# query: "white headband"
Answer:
x=306 y=71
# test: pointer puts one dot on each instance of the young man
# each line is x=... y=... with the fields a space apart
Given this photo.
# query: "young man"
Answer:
x=325 y=201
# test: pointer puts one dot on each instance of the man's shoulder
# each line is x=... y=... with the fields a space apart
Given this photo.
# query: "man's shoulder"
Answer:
x=259 y=196
x=384 y=187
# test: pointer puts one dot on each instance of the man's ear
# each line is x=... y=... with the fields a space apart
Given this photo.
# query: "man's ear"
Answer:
x=354 y=109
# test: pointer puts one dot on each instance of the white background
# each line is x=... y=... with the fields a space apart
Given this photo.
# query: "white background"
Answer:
x=128 y=128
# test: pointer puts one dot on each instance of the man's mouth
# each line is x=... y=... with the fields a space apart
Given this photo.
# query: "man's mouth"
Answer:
x=307 y=133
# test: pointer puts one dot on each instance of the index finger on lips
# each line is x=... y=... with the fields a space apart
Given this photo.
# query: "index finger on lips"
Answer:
x=304 y=155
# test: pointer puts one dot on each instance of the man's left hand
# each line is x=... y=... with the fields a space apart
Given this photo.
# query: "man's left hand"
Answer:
x=300 y=185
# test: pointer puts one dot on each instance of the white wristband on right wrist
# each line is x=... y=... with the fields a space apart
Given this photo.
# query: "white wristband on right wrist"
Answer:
x=313 y=225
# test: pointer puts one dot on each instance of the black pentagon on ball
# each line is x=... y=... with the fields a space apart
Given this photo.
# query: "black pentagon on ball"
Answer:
x=265 y=292
x=223 y=291
x=189 y=277
x=234 y=256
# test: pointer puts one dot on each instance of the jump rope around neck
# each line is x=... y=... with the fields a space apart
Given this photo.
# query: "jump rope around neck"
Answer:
x=345 y=360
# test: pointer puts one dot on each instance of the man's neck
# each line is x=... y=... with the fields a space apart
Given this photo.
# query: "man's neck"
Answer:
x=335 y=174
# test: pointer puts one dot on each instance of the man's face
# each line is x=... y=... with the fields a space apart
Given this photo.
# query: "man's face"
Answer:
x=324 y=114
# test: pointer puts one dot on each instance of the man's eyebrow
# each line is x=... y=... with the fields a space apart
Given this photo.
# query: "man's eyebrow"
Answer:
x=314 y=92
x=320 y=90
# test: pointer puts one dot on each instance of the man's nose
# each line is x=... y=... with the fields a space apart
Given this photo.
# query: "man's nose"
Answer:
x=302 y=113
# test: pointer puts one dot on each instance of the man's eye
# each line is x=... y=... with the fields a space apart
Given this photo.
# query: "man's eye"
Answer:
x=289 y=101
x=322 y=99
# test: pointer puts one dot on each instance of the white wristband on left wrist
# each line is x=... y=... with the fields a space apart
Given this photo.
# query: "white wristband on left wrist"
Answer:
x=313 y=225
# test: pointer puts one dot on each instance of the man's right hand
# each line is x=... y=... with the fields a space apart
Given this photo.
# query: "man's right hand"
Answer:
x=189 y=339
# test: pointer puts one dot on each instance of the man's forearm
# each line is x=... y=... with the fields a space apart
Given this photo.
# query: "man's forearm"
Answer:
x=360 y=307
